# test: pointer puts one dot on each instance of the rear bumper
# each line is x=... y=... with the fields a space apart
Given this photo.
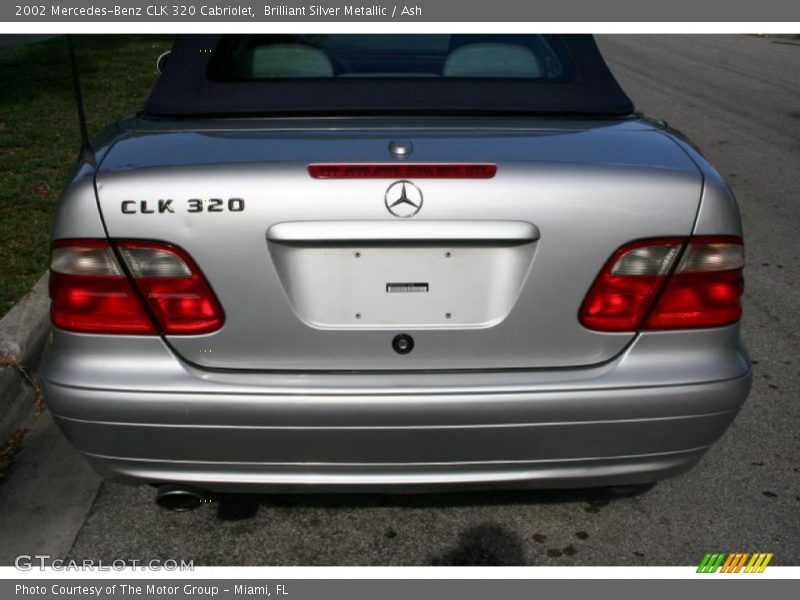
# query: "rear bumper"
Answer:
x=166 y=422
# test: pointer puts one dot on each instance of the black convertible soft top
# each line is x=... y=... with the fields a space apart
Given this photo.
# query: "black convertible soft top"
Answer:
x=191 y=86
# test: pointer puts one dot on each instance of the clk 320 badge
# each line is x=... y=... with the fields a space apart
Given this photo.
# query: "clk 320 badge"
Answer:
x=193 y=205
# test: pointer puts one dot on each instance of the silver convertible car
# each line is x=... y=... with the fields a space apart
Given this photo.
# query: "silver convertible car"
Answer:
x=393 y=262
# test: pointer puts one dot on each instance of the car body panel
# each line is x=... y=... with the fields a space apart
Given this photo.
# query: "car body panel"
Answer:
x=650 y=413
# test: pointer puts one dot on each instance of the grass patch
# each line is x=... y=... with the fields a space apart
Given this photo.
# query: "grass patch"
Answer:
x=39 y=137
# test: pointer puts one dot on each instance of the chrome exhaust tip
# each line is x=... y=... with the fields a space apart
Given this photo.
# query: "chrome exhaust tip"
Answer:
x=180 y=498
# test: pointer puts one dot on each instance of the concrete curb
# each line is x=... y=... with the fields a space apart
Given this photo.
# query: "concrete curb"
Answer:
x=23 y=332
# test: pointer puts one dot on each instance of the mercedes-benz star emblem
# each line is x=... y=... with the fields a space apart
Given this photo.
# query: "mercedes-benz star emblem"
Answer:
x=403 y=199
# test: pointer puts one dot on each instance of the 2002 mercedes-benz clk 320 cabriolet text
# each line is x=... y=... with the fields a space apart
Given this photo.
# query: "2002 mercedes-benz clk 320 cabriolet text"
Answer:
x=393 y=262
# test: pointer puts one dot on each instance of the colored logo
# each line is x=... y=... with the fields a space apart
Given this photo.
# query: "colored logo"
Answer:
x=734 y=562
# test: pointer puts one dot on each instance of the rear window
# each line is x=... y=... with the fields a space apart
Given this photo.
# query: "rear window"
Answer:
x=327 y=56
x=404 y=75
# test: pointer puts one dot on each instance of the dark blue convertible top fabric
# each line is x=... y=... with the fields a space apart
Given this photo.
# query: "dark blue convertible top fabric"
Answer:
x=187 y=88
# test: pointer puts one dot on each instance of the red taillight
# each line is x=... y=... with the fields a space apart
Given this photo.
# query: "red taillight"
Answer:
x=627 y=285
x=403 y=171
x=706 y=288
x=639 y=289
x=91 y=292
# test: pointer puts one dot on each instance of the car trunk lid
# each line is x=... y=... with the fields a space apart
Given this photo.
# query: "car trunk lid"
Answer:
x=320 y=273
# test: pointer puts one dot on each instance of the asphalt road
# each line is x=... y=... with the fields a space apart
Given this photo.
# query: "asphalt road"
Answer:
x=738 y=98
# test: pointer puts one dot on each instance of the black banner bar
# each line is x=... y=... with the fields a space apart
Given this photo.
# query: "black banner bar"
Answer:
x=731 y=587
x=89 y=11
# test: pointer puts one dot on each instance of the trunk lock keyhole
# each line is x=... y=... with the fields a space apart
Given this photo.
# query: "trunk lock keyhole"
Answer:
x=403 y=344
